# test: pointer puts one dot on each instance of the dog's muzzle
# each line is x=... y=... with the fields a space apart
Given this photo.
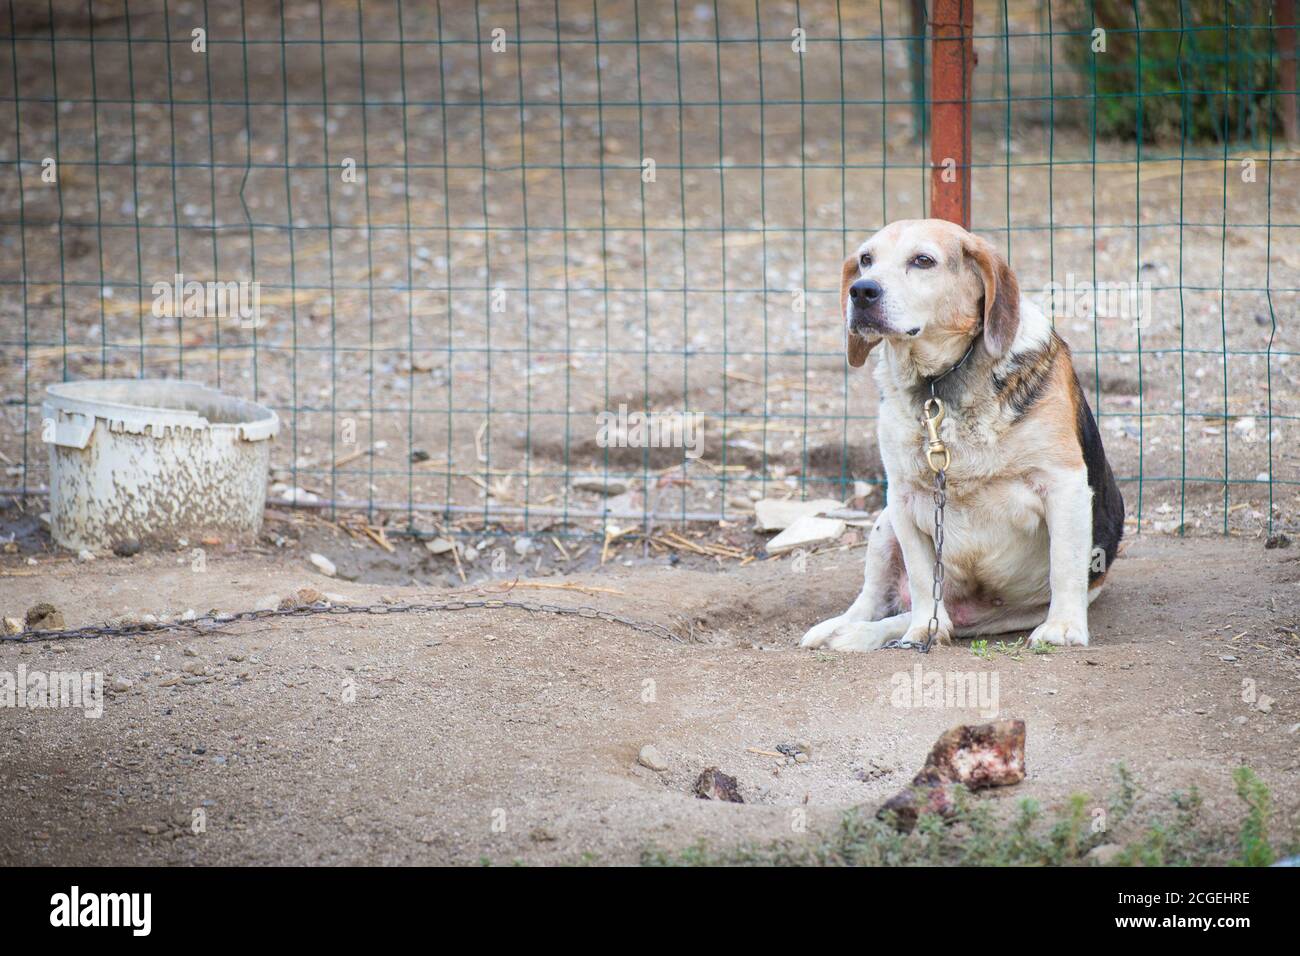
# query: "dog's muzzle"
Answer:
x=865 y=297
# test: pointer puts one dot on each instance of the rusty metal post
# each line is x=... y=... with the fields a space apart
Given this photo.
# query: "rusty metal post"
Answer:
x=952 y=26
x=1284 y=21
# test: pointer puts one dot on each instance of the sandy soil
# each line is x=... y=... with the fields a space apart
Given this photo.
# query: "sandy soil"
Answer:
x=503 y=735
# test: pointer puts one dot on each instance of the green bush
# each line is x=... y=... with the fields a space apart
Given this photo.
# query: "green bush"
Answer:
x=1207 y=64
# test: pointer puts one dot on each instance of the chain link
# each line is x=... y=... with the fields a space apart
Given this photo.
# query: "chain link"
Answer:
x=208 y=622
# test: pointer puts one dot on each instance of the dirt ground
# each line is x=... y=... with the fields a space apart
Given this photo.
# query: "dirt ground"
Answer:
x=504 y=735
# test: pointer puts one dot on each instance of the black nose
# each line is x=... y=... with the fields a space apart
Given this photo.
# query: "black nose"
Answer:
x=865 y=291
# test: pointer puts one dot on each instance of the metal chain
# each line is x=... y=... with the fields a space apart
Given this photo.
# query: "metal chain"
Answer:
x=208 y=622
x=936 y=589
x=938 y=457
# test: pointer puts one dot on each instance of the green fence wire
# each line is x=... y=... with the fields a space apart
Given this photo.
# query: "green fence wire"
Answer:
x=476 y=243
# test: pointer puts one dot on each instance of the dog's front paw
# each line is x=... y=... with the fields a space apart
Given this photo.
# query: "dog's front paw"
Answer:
x=837 y=634
x=862 y=636
x=1060 y=631
x=819 y=634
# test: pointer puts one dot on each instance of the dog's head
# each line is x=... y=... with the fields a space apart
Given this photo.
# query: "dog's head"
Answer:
x=920 y=279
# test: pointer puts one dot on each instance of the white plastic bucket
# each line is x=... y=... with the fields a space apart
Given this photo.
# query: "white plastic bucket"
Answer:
x=154 y=462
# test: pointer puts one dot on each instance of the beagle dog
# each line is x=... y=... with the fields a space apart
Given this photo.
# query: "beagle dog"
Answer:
x=1033 y=517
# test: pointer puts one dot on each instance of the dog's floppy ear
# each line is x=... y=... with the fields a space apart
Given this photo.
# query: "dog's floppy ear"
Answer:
x=1001 y=295
x=854 y=345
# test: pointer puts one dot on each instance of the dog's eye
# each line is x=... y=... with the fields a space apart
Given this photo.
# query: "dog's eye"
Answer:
x=923 y=262
x=865 y=259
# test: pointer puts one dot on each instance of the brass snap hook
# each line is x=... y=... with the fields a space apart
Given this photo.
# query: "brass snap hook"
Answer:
x=935 y=448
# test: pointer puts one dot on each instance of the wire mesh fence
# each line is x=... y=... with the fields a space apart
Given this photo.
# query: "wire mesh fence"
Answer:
x=548 y=264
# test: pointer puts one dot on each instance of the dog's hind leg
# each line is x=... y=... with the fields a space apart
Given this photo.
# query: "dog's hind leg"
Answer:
x=880 y=587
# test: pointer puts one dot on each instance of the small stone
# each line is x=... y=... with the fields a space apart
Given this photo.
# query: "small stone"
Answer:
x=303 y=597
x=1227 y=658
x=189 y=651
x=121 y=685
x=323 y=564
x=523 y=546
x=713 y=784
x=440 y=545
x=600 y=485
x=861 y=492
x=44 y=617
x=651 y=759
x=85 y=555
x=127 y=547
x=1265 y=704
x=195 y=667
x=13 y=625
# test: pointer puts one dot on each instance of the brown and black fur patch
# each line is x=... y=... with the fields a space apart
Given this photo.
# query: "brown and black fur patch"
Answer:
x=1026 y=378
x=1107 y=502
